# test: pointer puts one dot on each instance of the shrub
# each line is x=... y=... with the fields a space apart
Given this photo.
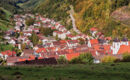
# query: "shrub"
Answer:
x=83 y=59
x=46 y=31
x=81 y=41
x=109 y=59
x=62 y=60
x=126 y=57
x=75 y=60
x=29 y=21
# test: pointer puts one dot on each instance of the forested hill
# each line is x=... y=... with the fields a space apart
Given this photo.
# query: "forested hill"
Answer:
x=97 y=13
x=56 y=9
x=88 y=13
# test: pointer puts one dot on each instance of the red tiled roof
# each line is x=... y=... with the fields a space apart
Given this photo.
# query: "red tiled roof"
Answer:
x=123 y=49
x=41 y=50
x=107 y=47
x=72 y=41
x=53 y=27
x=69 y=50
x=108 y=38
x=62 y=41
x=70 y=35
x=93 y=29
x=94 y=41
x=72 y=56
x=96 y=47
x=8 y=52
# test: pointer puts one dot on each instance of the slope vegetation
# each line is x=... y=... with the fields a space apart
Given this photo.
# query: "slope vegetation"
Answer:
x=55 y=9
x=88 y=13
x=97 y=13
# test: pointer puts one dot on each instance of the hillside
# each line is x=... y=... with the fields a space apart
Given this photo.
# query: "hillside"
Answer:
x=7 y=9
x=118 y=71
x=4 y=18
x=55 y=9
x=95 y=13
x=29 y=4
x=88 y=13
x=122 y=15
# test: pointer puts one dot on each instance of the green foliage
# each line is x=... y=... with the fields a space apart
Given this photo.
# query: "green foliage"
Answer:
x=58 y=39
x=69 y=27
x=9 y=5
x=57 y=9
x=17 y=34
x=85 y=58
x=67 y=72
x=108 y=59
x=67 y=38
x=4 y=19
x=2 y=61
x=46 y=31
x=29 y=21
x=34 y=38
x=18 y=52
x=126 y=57
x=62 y=60
x=81 y=41
x=4 y=47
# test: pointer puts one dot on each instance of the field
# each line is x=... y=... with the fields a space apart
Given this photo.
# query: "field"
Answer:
x=118 y=71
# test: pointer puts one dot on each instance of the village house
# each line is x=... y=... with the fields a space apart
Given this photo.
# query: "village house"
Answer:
x=92 y=42
x=12 y=41
x=120 y=47
x=60 y=35
x=37 y=24
x=62 y=28
x=5 y=54
x=27 y=33
x=57 y=25
x=72 y=43
x=93 y=31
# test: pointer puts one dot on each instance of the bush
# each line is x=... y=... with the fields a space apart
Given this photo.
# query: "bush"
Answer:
x=29 y=21
x=85 y=58
x=46 y=31
x=126 y=57
x=109 y=59
x=62 y=60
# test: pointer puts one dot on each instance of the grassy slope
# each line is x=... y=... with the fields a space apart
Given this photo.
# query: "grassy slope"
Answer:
x=30 y=4
x=55 y=9
x=118 y=71
x=3 y=23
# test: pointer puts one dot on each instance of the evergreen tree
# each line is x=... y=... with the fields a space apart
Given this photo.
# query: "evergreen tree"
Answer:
x=34 y=38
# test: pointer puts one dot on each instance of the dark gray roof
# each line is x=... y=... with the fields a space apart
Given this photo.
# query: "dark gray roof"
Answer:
x=124 y=39
x=116 y=40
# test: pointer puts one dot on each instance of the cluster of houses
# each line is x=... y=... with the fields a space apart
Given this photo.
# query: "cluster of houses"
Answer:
x=97 y=44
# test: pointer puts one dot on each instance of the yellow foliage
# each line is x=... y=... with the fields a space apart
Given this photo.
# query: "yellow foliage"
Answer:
x=108 y=59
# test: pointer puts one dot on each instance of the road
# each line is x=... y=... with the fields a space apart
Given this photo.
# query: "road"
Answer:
x=73 y=20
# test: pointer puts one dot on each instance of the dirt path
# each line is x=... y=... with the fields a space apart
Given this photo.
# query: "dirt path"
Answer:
x=73 y=20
